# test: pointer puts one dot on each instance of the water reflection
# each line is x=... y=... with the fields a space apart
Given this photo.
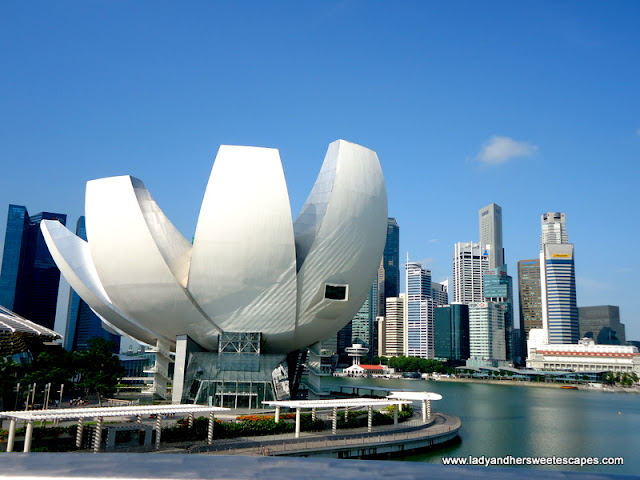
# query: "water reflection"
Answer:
x=526 y=421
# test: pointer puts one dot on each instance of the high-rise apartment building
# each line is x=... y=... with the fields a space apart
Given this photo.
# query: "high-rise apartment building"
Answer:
x=530 y=299
x=451 y=332
x=486 y=333
x=498 y=289
x=29 y=279
x=392 y=328
x=419 y=312
x=389 y=272
x=470 y=260
x=558 y=281
x=82 y=323
x=490 y=220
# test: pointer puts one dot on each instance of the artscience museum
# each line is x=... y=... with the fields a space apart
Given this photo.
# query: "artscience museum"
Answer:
x=236 y=308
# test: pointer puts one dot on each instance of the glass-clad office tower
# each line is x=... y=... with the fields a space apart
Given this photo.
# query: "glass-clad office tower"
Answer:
x=363 y=329
x=451 y=330
x=389 y=271
x=498 y=288
x=30 y=279
x=82 y=323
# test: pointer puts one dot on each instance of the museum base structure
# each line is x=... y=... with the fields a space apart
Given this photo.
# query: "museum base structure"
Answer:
x=239 y=375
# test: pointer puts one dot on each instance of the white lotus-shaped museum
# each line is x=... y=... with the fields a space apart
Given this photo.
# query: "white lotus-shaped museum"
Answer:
x=250 y=267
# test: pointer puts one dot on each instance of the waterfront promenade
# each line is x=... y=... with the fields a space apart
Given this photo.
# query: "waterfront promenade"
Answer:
x=352 y=443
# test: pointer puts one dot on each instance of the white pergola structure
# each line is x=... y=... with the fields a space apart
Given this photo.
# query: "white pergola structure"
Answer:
x=334 y=404
x=99 y=413
x=424 y=397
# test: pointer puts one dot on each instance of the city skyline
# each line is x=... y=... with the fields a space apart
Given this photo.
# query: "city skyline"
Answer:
x=532 y=107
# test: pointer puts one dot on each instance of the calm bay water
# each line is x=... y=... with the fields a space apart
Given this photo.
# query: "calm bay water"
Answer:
x=524 y=421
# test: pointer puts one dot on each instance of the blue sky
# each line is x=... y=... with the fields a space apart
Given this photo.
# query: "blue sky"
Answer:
x=534 y=105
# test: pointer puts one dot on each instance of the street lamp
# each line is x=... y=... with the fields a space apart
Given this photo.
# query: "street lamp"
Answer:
x=60 y=391
x=15 y=405
x=47 y=391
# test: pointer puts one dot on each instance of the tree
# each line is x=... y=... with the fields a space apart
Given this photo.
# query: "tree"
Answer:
x=55 y=366
x=99 y=369
x=8 y=379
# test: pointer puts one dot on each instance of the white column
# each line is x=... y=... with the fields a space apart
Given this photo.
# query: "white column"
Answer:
x=97 y=438
x=277 y=413
x=346 y=414
x=12 y=435
x=158 y=429
x=370 y=418
x=334 y=424
x=139 y=419
x=79 y=432
x=27 y=436
x=298 y=422
x=210 y=428
x=424 y=410
x=313 y=414
x=190 y=419
x=428 y=408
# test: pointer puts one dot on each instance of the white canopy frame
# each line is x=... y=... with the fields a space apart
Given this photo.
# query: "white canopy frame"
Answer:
x=31 y=416
x=334 y=404
x=424 y=397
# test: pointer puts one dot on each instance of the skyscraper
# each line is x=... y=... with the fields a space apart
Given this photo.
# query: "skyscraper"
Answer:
x=82 y=323
x=389 y=272
x=419 y=313
x=486 y=333
x=498 y=289
x=558 y=281
x=30 y=279
x=530 y=299
x=554 y=228
x=470 y=260
x=440 y=292
x=393 y=327
x=559 y=308
x=451 y=332
x=490 y=219
x=362 y=324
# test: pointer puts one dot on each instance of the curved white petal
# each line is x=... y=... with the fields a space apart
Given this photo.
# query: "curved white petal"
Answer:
x=140 y=259
x=340 y=237
x=73 y=258
x=243 y=267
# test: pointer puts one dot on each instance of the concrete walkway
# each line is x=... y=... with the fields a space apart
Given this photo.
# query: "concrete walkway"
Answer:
x=313 y=443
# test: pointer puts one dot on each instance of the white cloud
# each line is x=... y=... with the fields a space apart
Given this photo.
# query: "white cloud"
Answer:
x=499 y=150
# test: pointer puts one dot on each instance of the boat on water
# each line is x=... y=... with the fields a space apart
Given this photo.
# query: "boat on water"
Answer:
x=569 y=387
